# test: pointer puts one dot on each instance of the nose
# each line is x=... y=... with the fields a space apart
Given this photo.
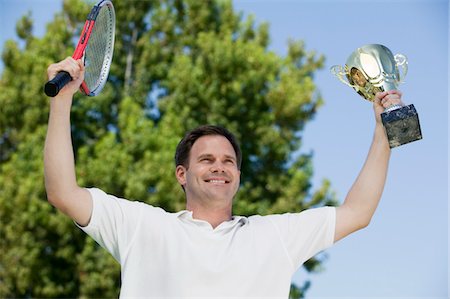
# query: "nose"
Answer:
x=217 y=167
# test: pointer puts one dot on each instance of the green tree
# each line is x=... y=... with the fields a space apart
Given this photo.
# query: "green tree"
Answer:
x=177 y=64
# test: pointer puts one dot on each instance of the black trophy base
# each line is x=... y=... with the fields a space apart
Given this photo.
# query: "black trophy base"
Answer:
x=402 y=125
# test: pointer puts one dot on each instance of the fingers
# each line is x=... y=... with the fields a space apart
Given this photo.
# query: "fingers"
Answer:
x=74 y=67
x=395 y=91
x=388 y=98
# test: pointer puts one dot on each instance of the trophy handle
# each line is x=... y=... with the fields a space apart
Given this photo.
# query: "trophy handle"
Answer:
x=401 y=63
x=340 y=72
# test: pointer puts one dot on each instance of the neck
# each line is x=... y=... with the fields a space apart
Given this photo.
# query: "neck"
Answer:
x=214 y=215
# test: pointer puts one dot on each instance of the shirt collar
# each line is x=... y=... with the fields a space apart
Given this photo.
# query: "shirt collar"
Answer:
x=187 y=215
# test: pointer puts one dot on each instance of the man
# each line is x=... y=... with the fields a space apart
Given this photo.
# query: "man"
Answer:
x=204 y=251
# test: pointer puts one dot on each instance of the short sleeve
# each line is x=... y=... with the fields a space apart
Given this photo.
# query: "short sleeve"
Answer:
x=113 y=222
x=306 y=233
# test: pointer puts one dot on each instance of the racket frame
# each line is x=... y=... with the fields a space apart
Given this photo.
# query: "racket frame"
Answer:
x=84 y=41
x=53 y=86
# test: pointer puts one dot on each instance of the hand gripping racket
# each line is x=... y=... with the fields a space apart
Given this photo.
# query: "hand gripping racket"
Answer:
x=95 y=46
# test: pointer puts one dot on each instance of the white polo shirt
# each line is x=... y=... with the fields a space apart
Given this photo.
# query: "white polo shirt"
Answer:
x=173 y=255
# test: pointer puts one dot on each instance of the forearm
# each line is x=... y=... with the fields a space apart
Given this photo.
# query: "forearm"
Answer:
x=59 y=165
x=365 y=194
x=362 y=200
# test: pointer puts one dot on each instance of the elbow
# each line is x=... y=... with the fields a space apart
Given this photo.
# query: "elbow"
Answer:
x=364 y=222
x=360 y=221
x=57 y=190
x=54 y=199
x=50 y=190
x=57 y=202
x=364 y=225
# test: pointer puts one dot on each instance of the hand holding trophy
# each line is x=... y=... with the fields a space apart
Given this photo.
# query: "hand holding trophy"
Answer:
x=371 y=69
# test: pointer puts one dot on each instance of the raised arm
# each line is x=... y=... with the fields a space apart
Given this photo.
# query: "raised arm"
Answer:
x=62 y=189
x=362 y=200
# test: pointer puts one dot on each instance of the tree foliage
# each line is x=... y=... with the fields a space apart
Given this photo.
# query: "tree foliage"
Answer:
x=177 y=64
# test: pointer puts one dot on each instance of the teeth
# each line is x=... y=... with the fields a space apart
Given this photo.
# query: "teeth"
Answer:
x=217 y=181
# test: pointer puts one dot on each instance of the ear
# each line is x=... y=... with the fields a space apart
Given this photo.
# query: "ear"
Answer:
x=180 y=173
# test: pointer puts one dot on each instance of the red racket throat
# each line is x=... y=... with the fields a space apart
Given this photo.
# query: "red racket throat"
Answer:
x=79 y=50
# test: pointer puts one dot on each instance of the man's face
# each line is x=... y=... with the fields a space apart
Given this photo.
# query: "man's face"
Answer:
x=212 y=174
x=359 y=78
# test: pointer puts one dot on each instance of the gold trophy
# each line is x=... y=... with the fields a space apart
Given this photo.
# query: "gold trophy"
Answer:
x=373 y=68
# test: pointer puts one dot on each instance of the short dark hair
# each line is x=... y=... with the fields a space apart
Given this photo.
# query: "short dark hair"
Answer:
x=185 y=145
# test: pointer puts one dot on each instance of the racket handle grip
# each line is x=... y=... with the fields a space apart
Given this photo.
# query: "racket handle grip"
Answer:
x=53 y=86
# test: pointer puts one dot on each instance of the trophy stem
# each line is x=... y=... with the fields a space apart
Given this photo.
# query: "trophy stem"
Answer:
x=392 y=108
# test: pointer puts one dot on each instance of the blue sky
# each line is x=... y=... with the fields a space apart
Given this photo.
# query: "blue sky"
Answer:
x=404 y=251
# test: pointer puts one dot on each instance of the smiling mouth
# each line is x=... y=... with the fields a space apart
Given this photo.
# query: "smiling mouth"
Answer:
x=217 y=181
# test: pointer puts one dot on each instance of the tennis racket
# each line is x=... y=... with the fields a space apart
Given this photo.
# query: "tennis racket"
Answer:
x=95 y=46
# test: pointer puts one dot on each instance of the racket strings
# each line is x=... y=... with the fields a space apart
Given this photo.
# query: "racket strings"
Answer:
x=98 y=54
